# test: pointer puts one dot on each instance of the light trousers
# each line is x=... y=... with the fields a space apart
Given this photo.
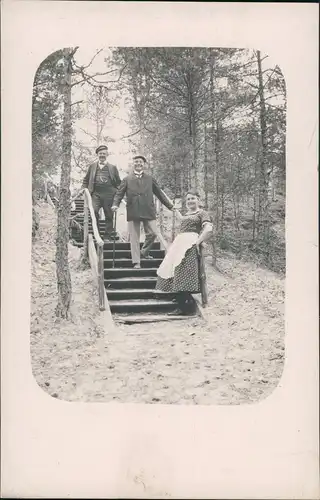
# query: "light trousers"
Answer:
x=151 y=232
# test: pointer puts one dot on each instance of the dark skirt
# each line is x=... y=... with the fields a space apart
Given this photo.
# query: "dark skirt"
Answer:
x=186 y=275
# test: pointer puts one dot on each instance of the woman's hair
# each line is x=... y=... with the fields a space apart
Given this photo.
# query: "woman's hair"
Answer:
x=194 y=192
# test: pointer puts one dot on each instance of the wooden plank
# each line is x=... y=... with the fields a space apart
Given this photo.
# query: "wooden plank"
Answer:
x=88 y=199
x=200 y=309
x=85 y=229
x=106 y=316
x=101 y=288
x=203 y=278
x=93 y=259
x=155 y=318
x=49 y=200
x=105 y=319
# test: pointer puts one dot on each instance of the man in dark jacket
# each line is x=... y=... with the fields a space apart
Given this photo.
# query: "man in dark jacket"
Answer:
x=102 y=181
x=140 y=187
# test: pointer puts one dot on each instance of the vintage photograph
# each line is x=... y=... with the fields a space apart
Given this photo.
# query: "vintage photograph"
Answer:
x=158 y=225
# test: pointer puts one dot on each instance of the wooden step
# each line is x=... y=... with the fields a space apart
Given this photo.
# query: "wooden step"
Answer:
x=125 y=263
x=126 y=246
x=126 y=254
x=130 y=282
x=137 y=293
x=76 y=232
x=131 y=319
x=137 y=305
x=123 y=272
x=80 y=219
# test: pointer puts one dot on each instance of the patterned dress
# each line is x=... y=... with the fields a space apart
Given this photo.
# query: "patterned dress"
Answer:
x=179 y=271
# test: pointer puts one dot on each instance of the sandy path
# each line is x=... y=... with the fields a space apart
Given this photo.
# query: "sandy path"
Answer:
x=237 y=357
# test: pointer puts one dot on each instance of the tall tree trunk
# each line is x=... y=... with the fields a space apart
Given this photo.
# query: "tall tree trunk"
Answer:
x=263 y=178
x=255 y=220
x=63 y=272
x=214 y=189
x=221 y=168
x=193 y=138
x=205 y=174
x=238 y=214
x=217 y=179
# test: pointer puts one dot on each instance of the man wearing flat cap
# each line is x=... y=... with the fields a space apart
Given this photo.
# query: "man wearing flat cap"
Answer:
x=102 y=181
x=139 y=186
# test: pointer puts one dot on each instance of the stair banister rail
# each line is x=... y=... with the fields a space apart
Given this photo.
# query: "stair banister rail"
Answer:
x=79 y=193
x=50 y=202
x=95 y=257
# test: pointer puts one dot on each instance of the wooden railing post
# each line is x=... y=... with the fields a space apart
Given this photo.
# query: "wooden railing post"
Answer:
x=96 y=262
x=49 y=200
x=102 y=304
x=203 y=279
x=85 y=229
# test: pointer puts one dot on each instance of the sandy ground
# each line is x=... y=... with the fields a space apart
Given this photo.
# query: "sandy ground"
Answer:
x=236 y=357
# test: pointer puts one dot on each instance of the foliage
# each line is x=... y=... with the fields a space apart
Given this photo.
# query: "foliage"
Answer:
x=213 y=119
x=47 y=109
x=208 y=118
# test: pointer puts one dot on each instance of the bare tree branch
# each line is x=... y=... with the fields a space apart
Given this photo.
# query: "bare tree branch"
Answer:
x=92 y=77
x=174 y=90
x=130 y=135
x=93 y=136
x=92 y=59
x=105 y=84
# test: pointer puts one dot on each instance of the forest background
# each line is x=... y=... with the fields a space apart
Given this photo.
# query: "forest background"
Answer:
x=206 y=118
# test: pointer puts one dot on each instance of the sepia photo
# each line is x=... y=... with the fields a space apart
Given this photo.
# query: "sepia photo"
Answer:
x=158 y=225
x=159 y=306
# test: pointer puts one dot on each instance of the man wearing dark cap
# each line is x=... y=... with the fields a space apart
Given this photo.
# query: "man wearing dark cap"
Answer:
x=102 y=180
x=139 y=186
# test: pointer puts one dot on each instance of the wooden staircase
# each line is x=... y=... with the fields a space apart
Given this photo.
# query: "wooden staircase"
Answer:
x=77 y=234
x=131 y=292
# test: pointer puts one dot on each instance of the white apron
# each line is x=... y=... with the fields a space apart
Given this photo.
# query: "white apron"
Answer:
x=176 y=253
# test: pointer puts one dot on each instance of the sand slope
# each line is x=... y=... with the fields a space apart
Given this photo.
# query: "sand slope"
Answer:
x=237 y=357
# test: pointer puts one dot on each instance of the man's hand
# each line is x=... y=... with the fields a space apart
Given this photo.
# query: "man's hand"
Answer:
x=114 y=208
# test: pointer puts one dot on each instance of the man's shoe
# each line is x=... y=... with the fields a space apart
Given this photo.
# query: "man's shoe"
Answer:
x=146 y=256
x=136 y=266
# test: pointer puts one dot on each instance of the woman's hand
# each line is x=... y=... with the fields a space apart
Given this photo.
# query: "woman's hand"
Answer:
x=177 y=212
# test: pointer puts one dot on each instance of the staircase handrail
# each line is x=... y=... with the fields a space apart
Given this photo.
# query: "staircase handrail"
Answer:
x=50 y=202
x=88 y=206
x=95 y=257
x=79 y=193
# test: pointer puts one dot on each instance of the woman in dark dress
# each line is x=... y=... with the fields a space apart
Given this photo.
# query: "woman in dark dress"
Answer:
x=179 y=271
